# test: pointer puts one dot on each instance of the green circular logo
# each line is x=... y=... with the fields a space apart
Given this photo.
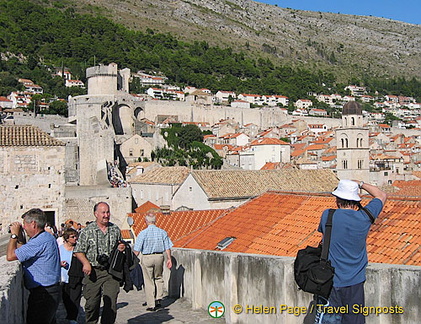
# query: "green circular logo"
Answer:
x=216 y=309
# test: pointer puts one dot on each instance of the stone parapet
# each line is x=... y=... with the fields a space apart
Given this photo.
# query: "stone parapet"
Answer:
x=260 y=287
x=12 y=292
x=257 y=281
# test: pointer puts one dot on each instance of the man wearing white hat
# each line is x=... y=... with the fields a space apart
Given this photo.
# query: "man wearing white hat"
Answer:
x=347 y=252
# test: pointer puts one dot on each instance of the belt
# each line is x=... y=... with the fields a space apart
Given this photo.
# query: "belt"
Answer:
x=153 y=253
x=45 y=287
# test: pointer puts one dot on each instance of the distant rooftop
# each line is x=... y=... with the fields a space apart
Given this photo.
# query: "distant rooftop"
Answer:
x=17 y=135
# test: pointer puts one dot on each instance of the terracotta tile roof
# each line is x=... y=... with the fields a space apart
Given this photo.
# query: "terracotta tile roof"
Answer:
x=126 y=234
x=142 y=209
x=328 y=158
x=279 y=223
x=219 y=147
x=296 y=153
x=298 y=146
x=271 y=166
x=323 y=140
x=164 y=175
x=17 y=135
x=268 y=141
x=316 y=147
x=178 y=224
x=407 y=188
x=250 y=183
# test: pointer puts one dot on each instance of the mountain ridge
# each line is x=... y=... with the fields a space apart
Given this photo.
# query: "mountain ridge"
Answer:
x=347 y=45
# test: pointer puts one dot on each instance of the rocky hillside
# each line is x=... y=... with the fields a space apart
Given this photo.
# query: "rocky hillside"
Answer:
x=346 y=45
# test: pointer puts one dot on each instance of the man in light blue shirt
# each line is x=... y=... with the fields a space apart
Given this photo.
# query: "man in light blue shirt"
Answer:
x=41 y=265
x=153 y=242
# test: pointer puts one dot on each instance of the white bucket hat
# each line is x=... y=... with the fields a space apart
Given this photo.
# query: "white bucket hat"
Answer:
x=348 y=190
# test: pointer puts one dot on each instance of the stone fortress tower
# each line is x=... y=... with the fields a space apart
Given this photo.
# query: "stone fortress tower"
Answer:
x=353 y=144
x=106 y=112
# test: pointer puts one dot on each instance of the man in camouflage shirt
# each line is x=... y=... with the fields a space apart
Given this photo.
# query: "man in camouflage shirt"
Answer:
x=93 y=249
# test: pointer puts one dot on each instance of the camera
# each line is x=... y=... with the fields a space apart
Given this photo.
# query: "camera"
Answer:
x=103 y=261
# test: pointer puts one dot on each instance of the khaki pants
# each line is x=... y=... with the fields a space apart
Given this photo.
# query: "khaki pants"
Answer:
x=152 y=268
x=100 y=282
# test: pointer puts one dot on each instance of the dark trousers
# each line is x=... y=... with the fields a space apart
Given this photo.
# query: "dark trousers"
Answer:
x=71 y=299
x=100 y=282
x=42 y=304
x=346 y=296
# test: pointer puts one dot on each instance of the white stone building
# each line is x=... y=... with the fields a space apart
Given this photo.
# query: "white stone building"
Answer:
x=136 y=147
x=158 y=185
x=32 y=173
x=264 y=150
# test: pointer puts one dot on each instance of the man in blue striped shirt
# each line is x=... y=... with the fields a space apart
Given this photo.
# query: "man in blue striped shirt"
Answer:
x=41 y=265
x=153 y=242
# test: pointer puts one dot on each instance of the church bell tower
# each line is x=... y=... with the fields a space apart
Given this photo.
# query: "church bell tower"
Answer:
x=353 y=152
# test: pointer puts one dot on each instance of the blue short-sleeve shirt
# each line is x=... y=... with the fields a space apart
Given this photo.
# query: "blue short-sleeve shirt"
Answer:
x=347 y=251
x=40 y=260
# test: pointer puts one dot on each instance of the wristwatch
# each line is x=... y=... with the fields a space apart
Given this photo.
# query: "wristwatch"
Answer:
x=360 y=185
x=14 y=236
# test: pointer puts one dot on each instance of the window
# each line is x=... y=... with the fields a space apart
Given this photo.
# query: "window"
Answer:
x=360 y=164
x=131 y=152
x=345 y=164
x=142 y=152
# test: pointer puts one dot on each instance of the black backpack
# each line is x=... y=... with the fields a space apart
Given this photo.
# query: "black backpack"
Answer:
x=313 y=272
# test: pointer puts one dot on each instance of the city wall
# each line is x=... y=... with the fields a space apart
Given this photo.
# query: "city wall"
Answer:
x=263 y=117
x=266 y=281
x=80 y=200
x=252 y=282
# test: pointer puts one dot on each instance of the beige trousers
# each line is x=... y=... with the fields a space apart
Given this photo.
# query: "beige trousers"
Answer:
x=152 y=268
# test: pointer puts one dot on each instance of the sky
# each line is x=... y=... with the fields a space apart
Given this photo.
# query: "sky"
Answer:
x=403 y=10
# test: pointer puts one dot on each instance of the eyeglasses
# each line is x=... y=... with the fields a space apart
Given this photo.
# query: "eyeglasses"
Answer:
x=73 y=236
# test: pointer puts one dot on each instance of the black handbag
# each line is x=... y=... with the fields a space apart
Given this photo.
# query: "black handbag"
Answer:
x=313 y=272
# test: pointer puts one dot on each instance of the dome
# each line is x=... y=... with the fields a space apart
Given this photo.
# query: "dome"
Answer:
x=352 y=108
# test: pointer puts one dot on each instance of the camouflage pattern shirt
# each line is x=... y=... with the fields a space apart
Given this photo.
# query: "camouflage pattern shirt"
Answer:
x=93 y=242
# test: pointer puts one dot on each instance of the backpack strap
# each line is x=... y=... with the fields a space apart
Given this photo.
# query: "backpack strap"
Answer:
x=372 y=219
x=326 y=236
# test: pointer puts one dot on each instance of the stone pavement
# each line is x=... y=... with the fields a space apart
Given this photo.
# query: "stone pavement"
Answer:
x=130 y=310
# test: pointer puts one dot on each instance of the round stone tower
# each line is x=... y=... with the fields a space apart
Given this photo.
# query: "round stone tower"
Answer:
x=102 y=79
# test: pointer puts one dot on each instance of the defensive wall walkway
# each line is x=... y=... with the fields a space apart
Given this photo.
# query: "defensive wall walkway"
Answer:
x=253 y=289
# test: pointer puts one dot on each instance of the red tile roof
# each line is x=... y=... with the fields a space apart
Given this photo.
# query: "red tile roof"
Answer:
x=407 y=188
x=268 y=141
x=178 y=224
x=126 y=234
x=142 y=209
x=271 y=166
x=279 y=223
